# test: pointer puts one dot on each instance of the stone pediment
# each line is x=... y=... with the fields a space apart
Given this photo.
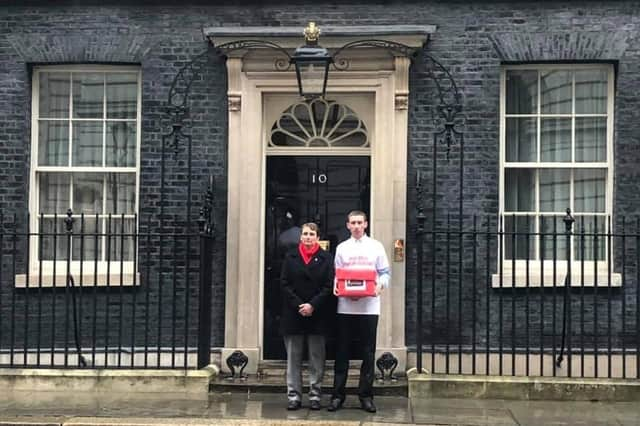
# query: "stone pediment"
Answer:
x=331 y=37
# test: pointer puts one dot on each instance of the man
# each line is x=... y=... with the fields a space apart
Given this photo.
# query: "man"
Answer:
x=358 y=316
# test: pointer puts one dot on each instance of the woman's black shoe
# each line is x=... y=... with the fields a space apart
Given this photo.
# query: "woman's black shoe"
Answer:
x=294 y=405
x=367 y=405
x=335 y=404
x=315 y=404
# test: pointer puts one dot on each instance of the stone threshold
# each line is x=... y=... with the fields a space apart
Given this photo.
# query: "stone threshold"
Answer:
x=425 y=386
x=192 y=382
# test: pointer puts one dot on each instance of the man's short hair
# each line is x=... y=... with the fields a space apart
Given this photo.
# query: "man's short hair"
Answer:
x=356 y=213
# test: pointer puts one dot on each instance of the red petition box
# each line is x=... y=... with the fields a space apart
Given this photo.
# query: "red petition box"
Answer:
x=356 y=282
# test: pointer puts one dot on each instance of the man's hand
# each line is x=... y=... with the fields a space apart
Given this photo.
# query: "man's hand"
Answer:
x=382 y=282
x=379 y=289
x=305 y=309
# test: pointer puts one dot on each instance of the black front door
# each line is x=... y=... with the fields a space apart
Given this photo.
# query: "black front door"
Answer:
x=306 y=189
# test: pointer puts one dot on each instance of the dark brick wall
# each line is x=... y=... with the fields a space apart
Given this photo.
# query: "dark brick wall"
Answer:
x=473 y=46
x=472 y=40
x=115 y=36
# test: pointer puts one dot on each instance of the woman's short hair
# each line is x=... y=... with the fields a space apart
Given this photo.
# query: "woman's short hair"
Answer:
x=312 y=226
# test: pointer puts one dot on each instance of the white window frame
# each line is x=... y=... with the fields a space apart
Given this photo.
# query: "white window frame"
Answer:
x=112 y=273
x=543 y=274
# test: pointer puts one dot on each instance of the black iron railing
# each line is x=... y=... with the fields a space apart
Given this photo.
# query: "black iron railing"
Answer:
x=554 y=299
x=104 y=292
x=557 y=298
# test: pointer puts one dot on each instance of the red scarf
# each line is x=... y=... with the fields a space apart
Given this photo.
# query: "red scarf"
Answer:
x=307 y=253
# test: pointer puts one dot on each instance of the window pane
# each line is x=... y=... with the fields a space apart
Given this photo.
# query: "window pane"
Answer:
x=87 y=193
x=54 y=95
x=591 y=139
x=555 y=92
x=87 y=143
x=346 y=128
x=517 y=231
x=120 y=240
x=591 y=92
x=590 y=240
x=287 y=132
x=54 y=239
x=555 y=139
x=85 y=245
x=121 y=144
x=54 y=191
x=121 y=193
x=520 y=190
x=88 y=94
x=553 y=239
x=521 y=139
x=122 y=95
x=522 y=92
x=53 y=143
x=554 y=190
x=589 y=191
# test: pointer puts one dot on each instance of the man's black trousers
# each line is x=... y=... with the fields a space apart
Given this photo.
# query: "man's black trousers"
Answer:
x=363 y=328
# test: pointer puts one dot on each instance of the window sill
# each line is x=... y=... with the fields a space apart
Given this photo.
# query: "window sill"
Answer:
x=536 y=280
x=88 y=280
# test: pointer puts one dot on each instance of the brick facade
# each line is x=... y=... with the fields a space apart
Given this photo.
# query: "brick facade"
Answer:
x=472 y=40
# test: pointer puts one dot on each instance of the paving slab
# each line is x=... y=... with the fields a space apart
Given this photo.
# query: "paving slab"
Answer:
x=122 y=409
x=390 y=424
x=455 y=403
x=626 y=413
x=390 y=410
x=535 y=413
x=463 y=416
x=31 y=421
x=158 y=421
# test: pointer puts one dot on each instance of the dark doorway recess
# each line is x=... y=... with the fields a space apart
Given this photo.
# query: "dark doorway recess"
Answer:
x=321 y=189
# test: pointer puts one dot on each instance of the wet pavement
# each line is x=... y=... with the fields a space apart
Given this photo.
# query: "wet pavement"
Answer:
x=54 y=408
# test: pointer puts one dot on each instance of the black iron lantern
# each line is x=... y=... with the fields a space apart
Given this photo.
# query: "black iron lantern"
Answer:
x=312 y=64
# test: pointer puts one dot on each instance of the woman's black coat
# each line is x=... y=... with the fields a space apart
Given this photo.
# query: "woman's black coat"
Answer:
x=312 y=283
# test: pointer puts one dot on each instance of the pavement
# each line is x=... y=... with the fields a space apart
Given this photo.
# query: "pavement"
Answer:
x=221 y=408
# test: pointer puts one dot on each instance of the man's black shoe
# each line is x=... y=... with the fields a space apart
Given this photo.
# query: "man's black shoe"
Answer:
x=367 y=405
x=294 y=405
x=335 y=404
x=315 y=404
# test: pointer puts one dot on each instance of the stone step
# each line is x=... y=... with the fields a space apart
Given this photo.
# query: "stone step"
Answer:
x=271 y=379
x=257 y=384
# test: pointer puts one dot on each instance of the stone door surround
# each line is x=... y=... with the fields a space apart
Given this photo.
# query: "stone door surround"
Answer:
x=252 y=76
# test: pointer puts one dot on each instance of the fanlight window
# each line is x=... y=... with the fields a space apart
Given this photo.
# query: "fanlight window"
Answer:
x=319 y=124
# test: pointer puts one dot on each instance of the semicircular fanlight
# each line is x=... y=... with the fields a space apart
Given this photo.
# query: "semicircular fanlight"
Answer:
x=319 y=124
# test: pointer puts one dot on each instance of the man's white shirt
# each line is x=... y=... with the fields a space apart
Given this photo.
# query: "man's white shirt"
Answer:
x=363 y=253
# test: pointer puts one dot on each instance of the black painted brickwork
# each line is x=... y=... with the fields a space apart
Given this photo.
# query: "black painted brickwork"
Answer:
x=472 y=40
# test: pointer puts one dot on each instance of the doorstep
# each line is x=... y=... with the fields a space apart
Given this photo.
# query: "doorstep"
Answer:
x=271 y=378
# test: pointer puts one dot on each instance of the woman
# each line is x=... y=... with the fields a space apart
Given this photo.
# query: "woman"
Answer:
x=307 y=284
